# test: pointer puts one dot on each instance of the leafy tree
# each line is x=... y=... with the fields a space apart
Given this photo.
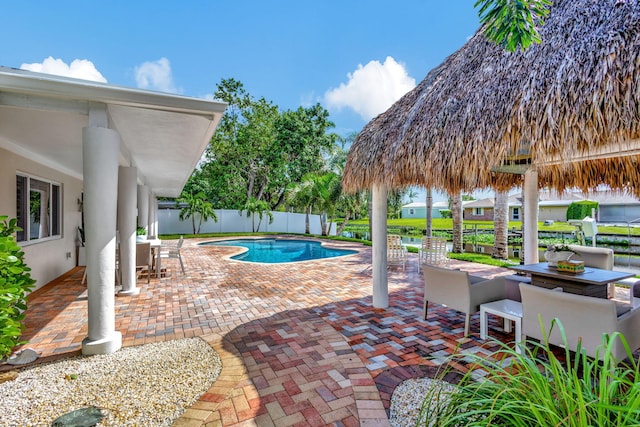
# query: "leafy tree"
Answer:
x=513 y=24
x=198 y=206
x=580 y=210
x=258 y=151
x=305 y=143
x=260 y=207
x=15 y=283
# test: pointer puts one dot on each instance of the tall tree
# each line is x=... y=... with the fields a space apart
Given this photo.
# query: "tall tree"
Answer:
x=258 y=151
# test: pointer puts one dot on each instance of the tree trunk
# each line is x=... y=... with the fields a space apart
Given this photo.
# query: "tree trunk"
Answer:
x=193 y=223
x=344 y=223
x=323 y=223
x=429 y=229
x=306 y=222
x=501 y=225
x=456 y=213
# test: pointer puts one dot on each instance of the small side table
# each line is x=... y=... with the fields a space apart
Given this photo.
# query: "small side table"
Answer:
x=507 y=309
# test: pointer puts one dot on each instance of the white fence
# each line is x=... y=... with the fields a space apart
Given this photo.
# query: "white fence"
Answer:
x=231 y=221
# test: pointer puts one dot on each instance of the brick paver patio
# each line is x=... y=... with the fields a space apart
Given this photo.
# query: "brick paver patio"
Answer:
x=300 y=343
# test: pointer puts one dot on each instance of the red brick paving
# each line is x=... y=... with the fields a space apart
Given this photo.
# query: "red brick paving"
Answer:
x=301 y=343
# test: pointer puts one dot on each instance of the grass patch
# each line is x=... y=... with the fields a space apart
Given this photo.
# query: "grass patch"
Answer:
x=537 y=388
x=483 y=259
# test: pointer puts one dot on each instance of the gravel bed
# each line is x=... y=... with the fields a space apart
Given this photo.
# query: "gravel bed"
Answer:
x=148 y=385
x=407 y=398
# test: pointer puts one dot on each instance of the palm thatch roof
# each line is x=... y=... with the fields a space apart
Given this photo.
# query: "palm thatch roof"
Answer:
x=570 y=106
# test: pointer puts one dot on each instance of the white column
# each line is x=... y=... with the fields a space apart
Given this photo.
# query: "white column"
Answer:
x=379 y=247
x=100 y=150
x=153 y=215
x=530 y=220
x=127 y=200
x=143 y=207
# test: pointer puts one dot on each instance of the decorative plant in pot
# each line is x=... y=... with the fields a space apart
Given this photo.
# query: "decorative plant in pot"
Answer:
x=556 y=252
x=141 y=234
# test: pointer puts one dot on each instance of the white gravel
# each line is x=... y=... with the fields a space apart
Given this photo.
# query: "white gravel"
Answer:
x=148 y=385
x=407 y=399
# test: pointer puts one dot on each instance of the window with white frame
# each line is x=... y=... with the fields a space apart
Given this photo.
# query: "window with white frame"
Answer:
x=411 y=211
x=516 y=213
x=38 y=208
x=478 y=211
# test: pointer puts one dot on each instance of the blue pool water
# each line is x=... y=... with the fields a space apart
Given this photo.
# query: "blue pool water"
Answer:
x=274 y=251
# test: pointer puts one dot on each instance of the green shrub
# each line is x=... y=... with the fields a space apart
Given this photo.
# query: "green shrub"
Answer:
x=536 y=388
x=15 y=283
x=579 y=210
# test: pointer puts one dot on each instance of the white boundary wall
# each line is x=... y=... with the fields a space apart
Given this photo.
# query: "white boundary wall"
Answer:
x=231 y=221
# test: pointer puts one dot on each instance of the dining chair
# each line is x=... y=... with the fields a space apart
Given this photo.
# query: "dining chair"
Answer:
x=170 y=252
x=143 y=259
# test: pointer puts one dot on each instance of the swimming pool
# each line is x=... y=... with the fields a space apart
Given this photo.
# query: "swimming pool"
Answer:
x=273 y=251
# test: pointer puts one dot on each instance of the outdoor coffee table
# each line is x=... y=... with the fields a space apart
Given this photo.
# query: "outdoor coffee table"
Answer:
x=592 y=282
x=507 y=309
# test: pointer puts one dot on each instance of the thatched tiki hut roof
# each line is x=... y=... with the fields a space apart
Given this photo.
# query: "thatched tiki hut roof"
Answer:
x=570 y=105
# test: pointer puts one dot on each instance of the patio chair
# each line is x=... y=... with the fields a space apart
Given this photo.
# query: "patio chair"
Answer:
x=460 y=291
x=396 y=252
x=583 y=318
x=173 y=252
x=433 y=251
x=143 y=260
x=603 y=258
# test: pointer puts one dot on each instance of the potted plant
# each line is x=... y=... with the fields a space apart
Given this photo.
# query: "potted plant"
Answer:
x=141 y=234
x=557 y=252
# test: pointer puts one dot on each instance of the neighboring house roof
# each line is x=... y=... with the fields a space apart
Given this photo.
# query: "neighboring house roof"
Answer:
x=414 y=205
x=163 y=135
x=613 y=198
x=481 y=203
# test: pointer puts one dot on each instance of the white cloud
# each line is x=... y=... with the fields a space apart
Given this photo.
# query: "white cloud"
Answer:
x=371 y=89
x=79 y=69
x=156 y=75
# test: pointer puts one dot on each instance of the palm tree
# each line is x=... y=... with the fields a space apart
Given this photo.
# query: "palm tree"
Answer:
x=300 y=195
x=456 y=213
x=429 y=207
x=317 y=190
x=260 y=207
x=501 y=225
x=197 y=205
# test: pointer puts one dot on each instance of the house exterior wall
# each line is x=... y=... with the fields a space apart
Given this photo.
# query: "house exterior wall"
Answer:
x=555 y=213
x=469 y=214
x=420 y=213
x=618 y=213
x=414 y=212
x=52 y=258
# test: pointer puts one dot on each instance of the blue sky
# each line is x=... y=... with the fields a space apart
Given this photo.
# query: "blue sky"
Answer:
x=354 y=57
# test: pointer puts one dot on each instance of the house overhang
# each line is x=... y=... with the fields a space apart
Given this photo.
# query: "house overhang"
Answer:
x=162 y=135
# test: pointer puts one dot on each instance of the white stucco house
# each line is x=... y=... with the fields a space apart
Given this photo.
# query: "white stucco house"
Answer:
x=69 y=146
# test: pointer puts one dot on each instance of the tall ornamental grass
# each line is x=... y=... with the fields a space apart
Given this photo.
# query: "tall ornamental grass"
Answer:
x=536 y=388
